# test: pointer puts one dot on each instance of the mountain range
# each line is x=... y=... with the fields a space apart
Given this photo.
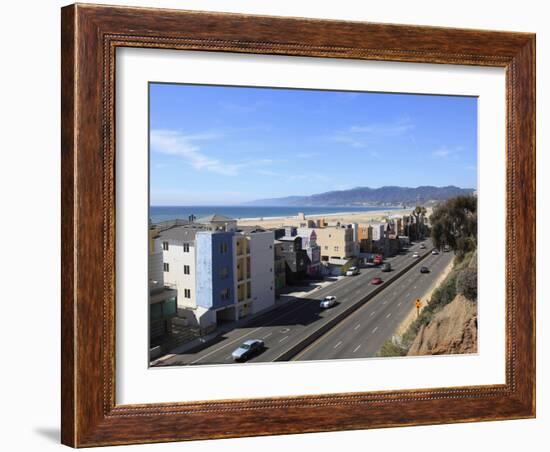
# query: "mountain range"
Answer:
x=365 y=196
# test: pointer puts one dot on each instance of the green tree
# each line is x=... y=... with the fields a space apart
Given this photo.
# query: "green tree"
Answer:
x=454 y=223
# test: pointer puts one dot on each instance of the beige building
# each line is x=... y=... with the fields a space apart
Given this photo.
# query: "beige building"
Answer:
x=335 y=242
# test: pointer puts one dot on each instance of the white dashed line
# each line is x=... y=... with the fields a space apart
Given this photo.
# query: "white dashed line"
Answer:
x=357 y=326
x=399 y=304
x=374 y=331
x=388 y=316
x=372 y=313
x=281 y=340
x=267 y=335
x=356 y=348
x=338 y=344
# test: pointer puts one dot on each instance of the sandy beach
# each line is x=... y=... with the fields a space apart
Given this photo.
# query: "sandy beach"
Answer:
x=373 y=216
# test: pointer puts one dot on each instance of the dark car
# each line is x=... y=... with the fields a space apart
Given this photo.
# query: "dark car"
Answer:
x=386 y=267
x=424 y=270
x=248 y=349
x=376 y=281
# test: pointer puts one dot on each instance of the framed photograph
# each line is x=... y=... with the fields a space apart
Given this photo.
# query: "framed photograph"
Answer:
x=282 y=225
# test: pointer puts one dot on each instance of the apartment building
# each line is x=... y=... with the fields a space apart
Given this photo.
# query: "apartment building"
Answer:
x=221 y=273
x=336 y=243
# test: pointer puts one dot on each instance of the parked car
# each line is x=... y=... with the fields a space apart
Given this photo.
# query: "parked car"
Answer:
x=352 y=271
x=376 y=281
x=416 y=255
x=328 y=302
x=248 y=349
x=435 y=252
x=424 y=270
x=386 y=267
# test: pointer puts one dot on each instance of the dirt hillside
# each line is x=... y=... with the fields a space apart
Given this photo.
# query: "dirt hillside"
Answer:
x=452 y=330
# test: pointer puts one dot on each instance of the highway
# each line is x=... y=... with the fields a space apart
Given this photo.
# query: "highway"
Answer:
x=362 y=333
x=287 y=326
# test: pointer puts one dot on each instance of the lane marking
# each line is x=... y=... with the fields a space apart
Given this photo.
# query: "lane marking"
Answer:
x=281 y=340
x=338 y=344
x=357 y=327
x=374 y=331
x=357 y=348
x=388 y=316
x=372 y=313
x=267 y=335
x=399 y=304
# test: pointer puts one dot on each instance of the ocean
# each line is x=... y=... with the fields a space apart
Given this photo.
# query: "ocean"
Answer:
x=163 y=213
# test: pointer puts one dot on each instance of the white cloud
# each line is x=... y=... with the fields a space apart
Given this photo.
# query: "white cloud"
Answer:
x=392 y=129
x=357 y=136
x=187 y=146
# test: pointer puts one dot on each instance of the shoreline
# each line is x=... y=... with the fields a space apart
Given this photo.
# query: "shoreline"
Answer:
x=385 y=211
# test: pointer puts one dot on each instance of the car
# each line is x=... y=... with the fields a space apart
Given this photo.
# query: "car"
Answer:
x=422 y=247
x=435 y=252
x=376 y=281
x=386 y=267
x=328 y=302
x=446 y=248
x=416 y=255
x=424 y=270
x=352 y=271
x=248 y=349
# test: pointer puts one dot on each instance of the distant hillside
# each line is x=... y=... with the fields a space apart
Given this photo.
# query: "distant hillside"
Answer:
x=365 y=196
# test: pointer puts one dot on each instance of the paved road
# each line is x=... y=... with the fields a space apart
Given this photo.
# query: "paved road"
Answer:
x=288 y=325
x=362 y=333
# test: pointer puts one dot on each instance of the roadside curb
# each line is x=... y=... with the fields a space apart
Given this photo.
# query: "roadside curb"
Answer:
x=331 y=323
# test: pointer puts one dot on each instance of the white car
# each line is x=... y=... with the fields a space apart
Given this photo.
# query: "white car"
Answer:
x=422 y=247
x=435 y=252
x=328 y=302
x=352 y=271
x=416 y=255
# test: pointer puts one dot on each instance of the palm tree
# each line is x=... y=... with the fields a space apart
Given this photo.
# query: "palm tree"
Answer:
x=418 y=212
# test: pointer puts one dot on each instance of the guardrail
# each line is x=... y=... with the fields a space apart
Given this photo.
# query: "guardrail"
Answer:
x=331 y=323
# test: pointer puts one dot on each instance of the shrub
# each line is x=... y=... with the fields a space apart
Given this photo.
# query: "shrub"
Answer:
x=466 y=283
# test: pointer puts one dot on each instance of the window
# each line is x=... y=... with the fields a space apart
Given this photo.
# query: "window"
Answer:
x=187 y=293
x=224 y=294
x=223 y=248
x=335 y=248
x=326 y=247
x=186 y=247
x=166 y=267
x=165 y=246
x=224 y=273
x=186 y=269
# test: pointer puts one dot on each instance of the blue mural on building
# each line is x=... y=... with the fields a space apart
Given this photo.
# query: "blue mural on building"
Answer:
x=214 y=276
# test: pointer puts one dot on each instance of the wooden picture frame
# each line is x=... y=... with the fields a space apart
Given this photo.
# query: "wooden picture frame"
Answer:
x=90 y=36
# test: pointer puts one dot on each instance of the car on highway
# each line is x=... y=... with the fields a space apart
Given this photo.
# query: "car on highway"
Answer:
x=248 y=349
x=352 y=271
x=376 y=281
x=424 y=270
x=435 y=252
x=328 y=302
x=416 y=255
x=377 y=259
x=446 y=248
x=422 y=247
x=386 y=267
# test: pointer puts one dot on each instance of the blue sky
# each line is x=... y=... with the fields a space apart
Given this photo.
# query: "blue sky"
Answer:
x=213 y=145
